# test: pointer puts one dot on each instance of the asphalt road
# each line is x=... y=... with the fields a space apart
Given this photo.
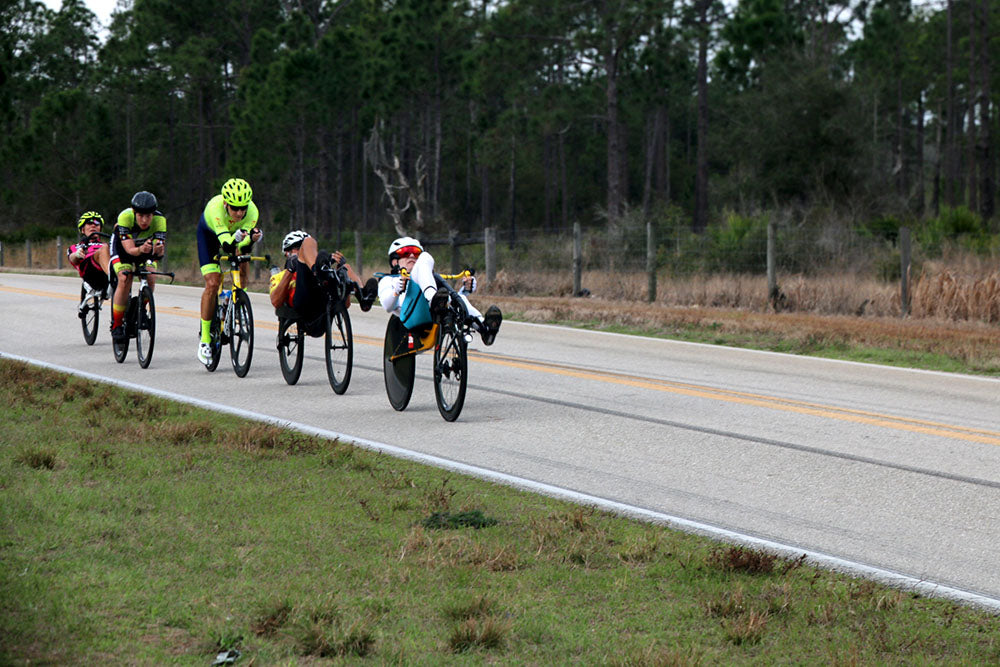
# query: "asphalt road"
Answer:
x=883 y=468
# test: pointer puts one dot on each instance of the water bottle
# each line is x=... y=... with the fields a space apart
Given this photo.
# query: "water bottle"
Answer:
x=226 y=295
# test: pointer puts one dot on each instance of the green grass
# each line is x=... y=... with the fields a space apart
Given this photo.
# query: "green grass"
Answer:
x=122 y=543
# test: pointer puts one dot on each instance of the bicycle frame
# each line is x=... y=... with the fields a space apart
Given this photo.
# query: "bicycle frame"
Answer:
x=225 y=326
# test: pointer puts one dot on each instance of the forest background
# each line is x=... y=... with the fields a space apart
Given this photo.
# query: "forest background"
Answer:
x=700 y=122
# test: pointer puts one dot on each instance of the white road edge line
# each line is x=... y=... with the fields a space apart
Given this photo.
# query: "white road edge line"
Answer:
x=887 y=577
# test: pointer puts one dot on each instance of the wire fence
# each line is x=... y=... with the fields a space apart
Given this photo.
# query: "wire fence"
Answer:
x=755 y=265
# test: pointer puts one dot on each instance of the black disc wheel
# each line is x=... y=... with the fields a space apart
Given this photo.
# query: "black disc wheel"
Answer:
x=290 y=350
x=145 y=327
x=339 y=347
x=90 y=315
x=241 y=340
x=451 y=365
x=399 y=374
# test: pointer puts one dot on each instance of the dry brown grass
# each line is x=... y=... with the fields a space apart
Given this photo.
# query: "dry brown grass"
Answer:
x=962 y=291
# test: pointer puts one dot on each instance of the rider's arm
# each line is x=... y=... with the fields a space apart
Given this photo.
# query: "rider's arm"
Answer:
x=218 y=220
x=338 y=257
x=137 y=248
x=388 y=295
x=159 y=227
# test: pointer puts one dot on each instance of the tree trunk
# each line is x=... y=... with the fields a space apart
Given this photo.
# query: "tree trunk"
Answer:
x=921 y=181
x=549 y=188
x=653 y=151
x=901 y=181
x=987 y=147
x=701 y=178
x=950 y=175
x=973 y=187
x=614 y=148
x=563 y=179
x=511 y=199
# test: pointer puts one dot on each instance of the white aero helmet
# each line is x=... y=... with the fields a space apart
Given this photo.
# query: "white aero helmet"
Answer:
x=403 y=242
x=293 y=240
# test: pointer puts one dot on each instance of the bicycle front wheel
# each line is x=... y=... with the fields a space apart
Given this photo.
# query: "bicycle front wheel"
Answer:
x=290 y=349
x=241 y=338
x=339 y=347
x=120 y=347
x=451 y=365
x=399 y=374
x=90 y=315
x=145 y=327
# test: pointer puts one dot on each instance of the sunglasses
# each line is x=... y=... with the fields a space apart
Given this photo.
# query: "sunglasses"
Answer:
x=237 y=208
x=92 y=222
x=408 y=251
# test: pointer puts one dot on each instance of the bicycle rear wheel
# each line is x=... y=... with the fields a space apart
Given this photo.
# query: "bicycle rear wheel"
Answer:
x=215 y=340
x=241 y=339
x=451 y=365
x=290 y=349
x=90 y=315
x=399 y=374
x=339 y=347
x=145 y=327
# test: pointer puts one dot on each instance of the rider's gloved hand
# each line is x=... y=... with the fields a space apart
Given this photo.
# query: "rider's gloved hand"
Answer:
x=291 y=263
x=399 y=285
x=469 y=284
x=238 y=236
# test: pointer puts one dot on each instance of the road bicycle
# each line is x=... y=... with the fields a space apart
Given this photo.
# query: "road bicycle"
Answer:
x=140 y=318
x=338 y=334
x=232 y=322
x=448 y=335
x=91 y=300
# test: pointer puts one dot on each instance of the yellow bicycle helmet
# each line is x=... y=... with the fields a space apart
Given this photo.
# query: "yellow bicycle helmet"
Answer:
x=236 y=192
x=90 y=216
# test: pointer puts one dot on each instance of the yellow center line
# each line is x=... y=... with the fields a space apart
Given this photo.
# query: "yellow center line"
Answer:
x=685 y=389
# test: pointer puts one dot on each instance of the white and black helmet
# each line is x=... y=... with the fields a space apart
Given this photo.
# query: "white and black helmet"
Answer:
x=293 y=240
x=403 y=242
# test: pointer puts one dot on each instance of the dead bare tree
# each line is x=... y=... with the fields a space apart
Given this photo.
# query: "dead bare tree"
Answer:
x=401 y=194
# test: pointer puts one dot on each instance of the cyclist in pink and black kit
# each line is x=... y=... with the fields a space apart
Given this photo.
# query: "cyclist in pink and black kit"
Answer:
x=90 y=255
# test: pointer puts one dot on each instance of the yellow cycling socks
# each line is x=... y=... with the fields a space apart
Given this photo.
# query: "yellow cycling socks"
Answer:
x=206 y=328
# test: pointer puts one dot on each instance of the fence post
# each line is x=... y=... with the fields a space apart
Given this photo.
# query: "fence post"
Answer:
x=577 y=258
x=491 y=254
x=772 y=276
x=359 y=251
x=904 y=270
x=59 y=252
x=27 y=252
x=1 y=253
x=650 y=261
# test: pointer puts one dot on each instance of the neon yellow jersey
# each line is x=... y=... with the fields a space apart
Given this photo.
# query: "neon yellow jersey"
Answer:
x=220 y=222
x=126 y=227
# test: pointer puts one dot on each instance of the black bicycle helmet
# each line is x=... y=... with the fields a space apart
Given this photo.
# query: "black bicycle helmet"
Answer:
x=143 y=202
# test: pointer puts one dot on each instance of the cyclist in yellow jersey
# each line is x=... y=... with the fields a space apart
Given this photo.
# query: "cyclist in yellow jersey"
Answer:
x=228 y=225
x=139 y=236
